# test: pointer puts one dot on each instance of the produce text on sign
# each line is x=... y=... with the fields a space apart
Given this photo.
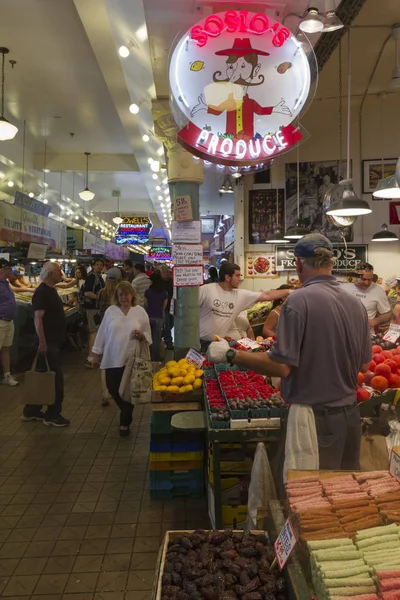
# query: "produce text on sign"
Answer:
x=239 y=81
x=284 y=544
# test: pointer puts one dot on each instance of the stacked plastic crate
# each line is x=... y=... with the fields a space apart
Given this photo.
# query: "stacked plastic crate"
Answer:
x=176 y=460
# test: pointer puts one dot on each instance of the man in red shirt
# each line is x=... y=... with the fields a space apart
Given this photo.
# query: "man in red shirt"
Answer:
x=242 y=68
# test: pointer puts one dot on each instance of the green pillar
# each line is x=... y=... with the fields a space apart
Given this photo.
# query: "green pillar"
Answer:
x=185 y=176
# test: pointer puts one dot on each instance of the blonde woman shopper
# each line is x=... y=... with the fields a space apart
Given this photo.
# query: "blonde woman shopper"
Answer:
x=104 y=300
x=123 y=323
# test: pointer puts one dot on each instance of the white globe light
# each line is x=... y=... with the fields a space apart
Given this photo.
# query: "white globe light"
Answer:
x=134 y=109
x=145 y=138
x=117 y=220
x=7 y=130
x=155 y=165
x=123 y=51
x=86 y=195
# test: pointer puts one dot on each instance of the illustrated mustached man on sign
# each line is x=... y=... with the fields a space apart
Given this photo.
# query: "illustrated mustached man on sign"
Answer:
x=230 y=94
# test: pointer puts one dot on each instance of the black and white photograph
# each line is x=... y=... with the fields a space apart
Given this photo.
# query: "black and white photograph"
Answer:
x=316 y=178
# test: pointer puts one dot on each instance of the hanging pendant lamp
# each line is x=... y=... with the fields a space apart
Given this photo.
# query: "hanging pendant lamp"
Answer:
x=117 y=219
x=7 y=130
x=277 y=237
x=86 y=194
x=346 y=203
x=297 y=231
x=384 y=235
x=387 y=188
x=312 y=22
x=332 y=22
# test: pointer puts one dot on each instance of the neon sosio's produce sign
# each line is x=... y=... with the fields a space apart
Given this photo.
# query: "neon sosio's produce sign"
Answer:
x=238 y=81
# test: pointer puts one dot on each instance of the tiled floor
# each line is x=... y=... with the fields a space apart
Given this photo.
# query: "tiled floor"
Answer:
x=76 y=519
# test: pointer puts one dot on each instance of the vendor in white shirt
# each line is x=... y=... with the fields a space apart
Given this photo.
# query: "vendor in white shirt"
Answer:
x=371 y=295
x=221 y=303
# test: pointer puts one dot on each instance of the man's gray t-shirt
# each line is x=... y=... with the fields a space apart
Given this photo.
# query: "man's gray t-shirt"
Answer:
x=323 y=335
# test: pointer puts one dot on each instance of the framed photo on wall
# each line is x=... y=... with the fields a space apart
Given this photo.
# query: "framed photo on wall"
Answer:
x=260 y=265
x=266 y=214
x=316 y=178
x=373 y=171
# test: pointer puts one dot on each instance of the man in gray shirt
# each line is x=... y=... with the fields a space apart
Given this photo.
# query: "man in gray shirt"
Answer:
x=322 y=343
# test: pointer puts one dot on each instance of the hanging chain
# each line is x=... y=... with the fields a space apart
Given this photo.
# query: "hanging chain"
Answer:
x=2 y=85
x=340 y=113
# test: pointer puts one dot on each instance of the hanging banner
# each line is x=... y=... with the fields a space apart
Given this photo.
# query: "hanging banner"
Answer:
x=239 y=81
x=21 y=225
x=347 y=257
x=24 y=201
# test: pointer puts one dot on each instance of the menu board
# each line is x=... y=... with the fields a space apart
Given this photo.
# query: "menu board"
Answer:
x=187 y=254
x=188 y=276
x=186 y=233
x=260 y=264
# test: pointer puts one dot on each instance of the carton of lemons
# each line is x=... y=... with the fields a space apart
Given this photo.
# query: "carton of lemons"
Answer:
x=178 y=378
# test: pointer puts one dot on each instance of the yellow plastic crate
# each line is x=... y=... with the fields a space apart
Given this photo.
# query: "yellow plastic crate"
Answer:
x=176 y=456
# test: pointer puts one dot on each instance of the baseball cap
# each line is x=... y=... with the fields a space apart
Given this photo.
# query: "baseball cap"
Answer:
x=113 y=274
x=4 y=263
x=307 y=245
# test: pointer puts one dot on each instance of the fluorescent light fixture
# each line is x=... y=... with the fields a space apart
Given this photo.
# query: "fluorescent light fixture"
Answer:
x=155 y=176
x=10 y=183
x=30 y=194
x=150 y=160
x=160 y=151
x=158 y=188
x=160 y=197
x=145 y=137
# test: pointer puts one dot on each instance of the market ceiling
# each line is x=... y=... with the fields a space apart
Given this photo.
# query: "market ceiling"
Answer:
x=69 y=78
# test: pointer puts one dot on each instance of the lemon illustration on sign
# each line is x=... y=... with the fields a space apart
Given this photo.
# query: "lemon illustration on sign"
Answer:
x=197 y=65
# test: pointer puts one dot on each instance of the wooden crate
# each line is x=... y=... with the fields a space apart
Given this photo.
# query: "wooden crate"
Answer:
x=295 y=592
x=193 y=396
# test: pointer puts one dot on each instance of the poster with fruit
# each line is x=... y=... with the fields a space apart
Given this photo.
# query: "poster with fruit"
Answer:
x=260 y=264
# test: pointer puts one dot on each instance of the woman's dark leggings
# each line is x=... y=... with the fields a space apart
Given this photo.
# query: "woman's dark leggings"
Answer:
x=113 y=381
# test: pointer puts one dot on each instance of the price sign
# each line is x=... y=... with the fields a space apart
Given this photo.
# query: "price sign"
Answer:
x=394 y=468
x=186 y=233
x=285 y=543
x=248 y=344
x=393 y=334
x=188 y=276
x=182 y=208
x=187 y=254
x=194 y=358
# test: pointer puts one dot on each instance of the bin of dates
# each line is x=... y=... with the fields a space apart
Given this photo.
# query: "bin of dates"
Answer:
x=219 y=565
x=249 y=395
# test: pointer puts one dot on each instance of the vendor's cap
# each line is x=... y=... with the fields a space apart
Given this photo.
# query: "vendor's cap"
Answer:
x=306 y=247
x=113 y=274
x=4 y=263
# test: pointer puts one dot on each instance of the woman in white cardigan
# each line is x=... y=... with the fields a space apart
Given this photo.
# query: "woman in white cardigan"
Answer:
x=123 y=322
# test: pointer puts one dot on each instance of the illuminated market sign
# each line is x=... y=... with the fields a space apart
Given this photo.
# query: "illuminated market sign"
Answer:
x=347 y=257
x=239 y=80
x=134 y=230
x=160 y=253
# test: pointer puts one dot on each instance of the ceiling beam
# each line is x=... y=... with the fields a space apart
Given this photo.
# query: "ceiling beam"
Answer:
x=76 y=162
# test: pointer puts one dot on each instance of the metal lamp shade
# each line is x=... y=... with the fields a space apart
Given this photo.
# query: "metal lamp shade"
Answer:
x=387 y=188
x=344 y=202
x=313 y=22
x=277 y=238
x=7 y=130
x=384 y=235
x=296 y=232
x=332 y=22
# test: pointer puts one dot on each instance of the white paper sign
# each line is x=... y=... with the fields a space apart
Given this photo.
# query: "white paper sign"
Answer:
x=187 y=254
x=284 y=544
x=188 y=276
x=186 y=233
x=194 y=358
x=182 y=208
x=394 y=468
x=393 y=334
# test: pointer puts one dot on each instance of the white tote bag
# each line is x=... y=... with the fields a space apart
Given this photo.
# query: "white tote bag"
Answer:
x=136 y=383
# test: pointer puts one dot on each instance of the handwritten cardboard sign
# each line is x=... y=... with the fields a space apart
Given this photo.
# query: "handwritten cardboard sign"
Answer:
x=188 y=276
x=182 y=208
x=393 y=334
x=187 y=254
x=186 y=233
